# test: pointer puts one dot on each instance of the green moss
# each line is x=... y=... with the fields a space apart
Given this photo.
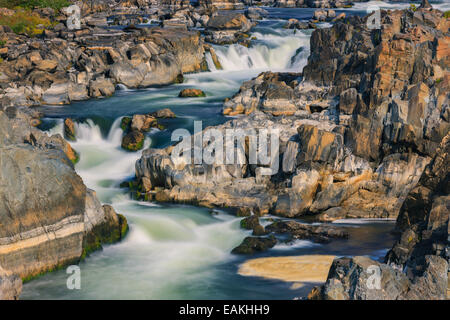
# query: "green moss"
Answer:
x=413 y=7
x=125 y=124
x=447 y=14
x=438 y=81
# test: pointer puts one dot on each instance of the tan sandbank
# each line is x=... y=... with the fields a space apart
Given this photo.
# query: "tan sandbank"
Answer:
x=311 y=268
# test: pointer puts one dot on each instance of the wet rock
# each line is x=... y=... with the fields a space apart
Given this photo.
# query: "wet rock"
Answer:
x=298 y=230
x=133 y=141
x=252 y=245
x=101 y=88
x=10 y=285
x=163 y=113
x=191 y=93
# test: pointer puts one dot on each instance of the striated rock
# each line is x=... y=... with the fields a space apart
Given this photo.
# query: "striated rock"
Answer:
x=163 y=113
x=255 y=13
x=299 y=269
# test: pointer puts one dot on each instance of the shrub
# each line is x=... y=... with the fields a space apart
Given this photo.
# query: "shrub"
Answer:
x=412 y=6
x=23 y=21
x=447 y=14
x=31 y=4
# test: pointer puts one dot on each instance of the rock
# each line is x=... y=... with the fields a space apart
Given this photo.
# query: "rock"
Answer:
x=10 y=286
x=298 y=230
x=348 y=100
x=250 y=222
x=143 y=123
x=309 y=268
x=353 y=279
x=255 y=13
x=425 y=4
x=49 y=211
x=133 y=141
x=69 y=129
x=163 y=113
x=259 y=230
x=252 y=245
x=101 y=88
x=227 y=28
x=191 y=93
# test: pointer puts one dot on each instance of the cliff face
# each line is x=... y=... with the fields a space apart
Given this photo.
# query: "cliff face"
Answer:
x=357 y=128
x=48 y=217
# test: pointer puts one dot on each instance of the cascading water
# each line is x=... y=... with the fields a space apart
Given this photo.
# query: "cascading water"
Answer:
x=279 y=50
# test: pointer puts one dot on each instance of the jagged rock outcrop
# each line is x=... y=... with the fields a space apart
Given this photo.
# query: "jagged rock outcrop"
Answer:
x=418 y=264
x=47 y=215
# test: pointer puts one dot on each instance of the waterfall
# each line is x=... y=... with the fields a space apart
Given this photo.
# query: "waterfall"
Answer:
x=284 y=50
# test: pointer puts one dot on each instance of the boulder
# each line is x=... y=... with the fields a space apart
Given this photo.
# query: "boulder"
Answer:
x=10 y=285
x=69 y=129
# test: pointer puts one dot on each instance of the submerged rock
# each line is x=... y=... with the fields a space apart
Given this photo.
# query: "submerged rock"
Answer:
x=69 y=129
x=299 y=269
x=133 y=141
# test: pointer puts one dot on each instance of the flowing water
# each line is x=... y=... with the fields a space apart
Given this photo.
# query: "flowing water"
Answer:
x=179 y=251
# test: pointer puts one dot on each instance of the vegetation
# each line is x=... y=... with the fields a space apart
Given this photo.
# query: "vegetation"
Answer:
x=413 y=7
x=447 y=14
x=23 y=21
x=31 y=4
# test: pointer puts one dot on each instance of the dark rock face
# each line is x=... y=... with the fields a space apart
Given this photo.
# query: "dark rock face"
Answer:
x=47 y=211
x=417 y=266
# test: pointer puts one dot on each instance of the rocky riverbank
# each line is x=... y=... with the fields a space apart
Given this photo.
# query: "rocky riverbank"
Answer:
x=49 y=218
x=418 y=264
